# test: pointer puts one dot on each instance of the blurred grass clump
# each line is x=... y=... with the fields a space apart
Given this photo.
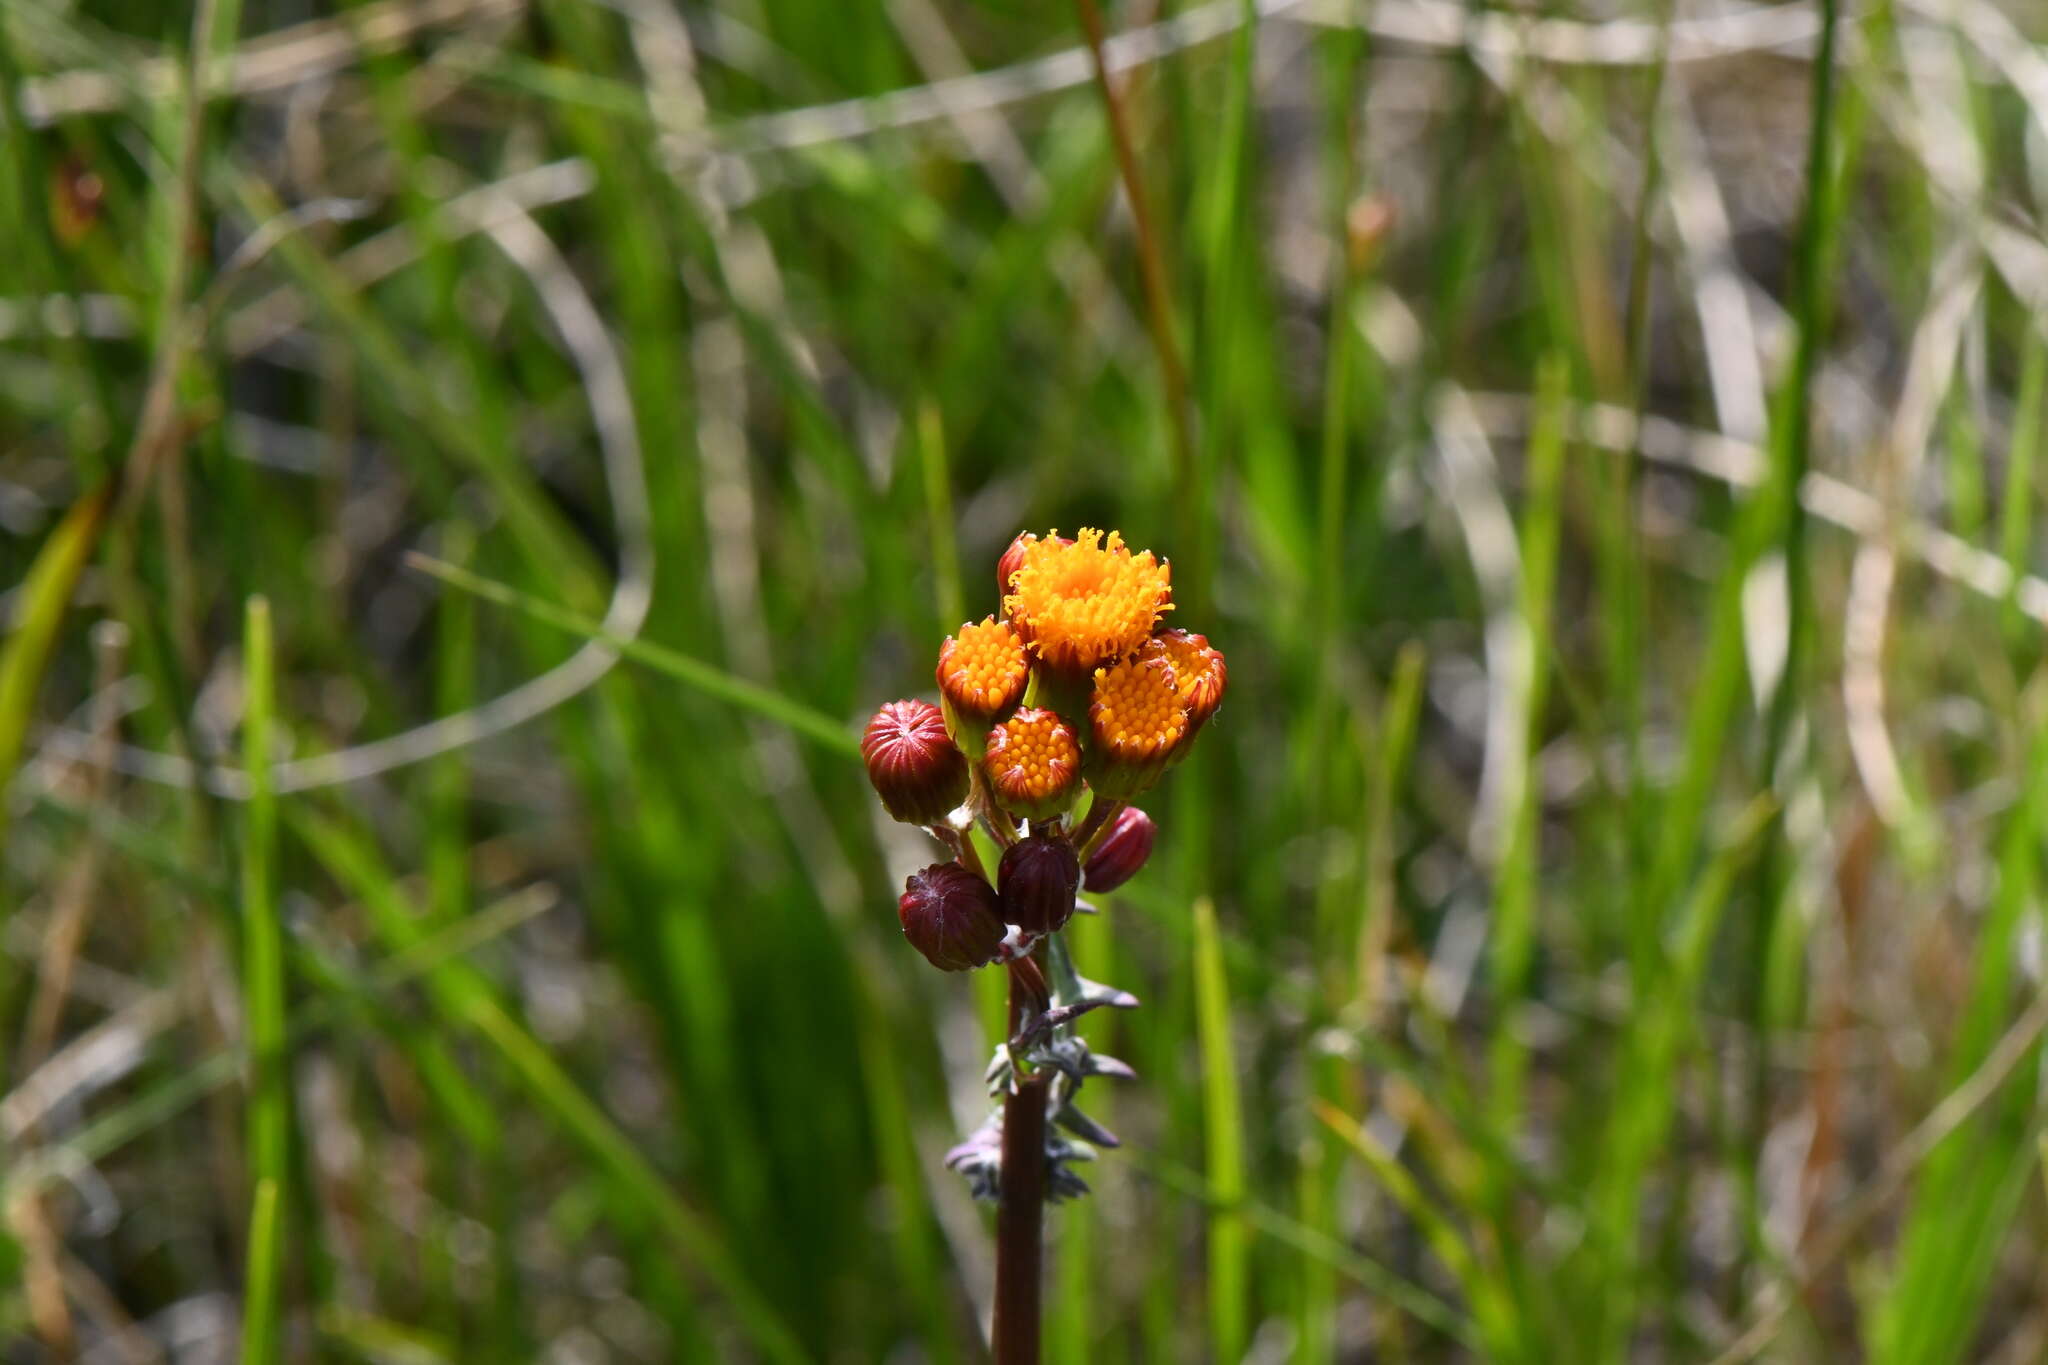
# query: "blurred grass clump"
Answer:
x=1604 y=924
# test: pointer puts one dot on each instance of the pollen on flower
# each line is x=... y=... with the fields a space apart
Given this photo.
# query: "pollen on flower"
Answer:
x=1033 y=762
x=1136 y=712
x=982 y=670
x=1080 y=603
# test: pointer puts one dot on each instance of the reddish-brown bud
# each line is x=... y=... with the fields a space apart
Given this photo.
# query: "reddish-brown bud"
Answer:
x=1037 y=880
x=911 y=760
x=1123 y=849
x=950 y=915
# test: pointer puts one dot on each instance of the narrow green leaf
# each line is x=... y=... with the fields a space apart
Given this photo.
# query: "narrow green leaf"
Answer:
x=812 y=725
x=45 y=595
x=1223 y=1125
x=263 y=995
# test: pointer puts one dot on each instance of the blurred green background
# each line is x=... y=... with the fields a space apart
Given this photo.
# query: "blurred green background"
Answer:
x=1603 y=924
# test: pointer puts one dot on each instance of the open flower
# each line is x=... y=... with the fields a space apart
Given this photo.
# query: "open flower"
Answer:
x=1078 y=604
x=1013 y=559
x=1199 y=675
x=1033 y=763
x=982 y=673
x=1137 y=723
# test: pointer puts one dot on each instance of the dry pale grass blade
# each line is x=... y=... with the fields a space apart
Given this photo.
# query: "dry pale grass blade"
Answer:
x=72 y=907
x=277 y=61
x=1470 y=485
x=584 y=335
x=1936 y=343
x=1729 y=329
x=1499 y=34
x=88 y=1063
x=1874 y=1195
x=1740 y=463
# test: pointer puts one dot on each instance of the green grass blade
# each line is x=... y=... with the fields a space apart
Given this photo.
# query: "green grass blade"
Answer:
x=45 y=598
x=812 y=725
x=1967 y=1193
x=467 y=998
x=1223 y=1126
x=263 y=996
x=1450 y=1245
x=261 y=1290
x=2016 y=522
x=938 y=504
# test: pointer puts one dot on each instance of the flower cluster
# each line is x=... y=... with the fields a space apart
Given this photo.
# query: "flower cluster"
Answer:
x=1052 y=719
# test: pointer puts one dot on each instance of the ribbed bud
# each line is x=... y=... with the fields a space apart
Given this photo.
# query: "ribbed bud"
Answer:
x=1122 y=850
x=951 y=916
x=1037 y=880
x=1033 y=763
x=982 y=672
x=1136 y=722
x=917 y=772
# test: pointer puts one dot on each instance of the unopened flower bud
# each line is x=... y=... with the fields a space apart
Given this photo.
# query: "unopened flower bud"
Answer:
x=1123 y=849
x=1037 y=880
x=919 y=774
x=1136 y=721
x=950 y=915
x=982 y=673
x=1033 y=763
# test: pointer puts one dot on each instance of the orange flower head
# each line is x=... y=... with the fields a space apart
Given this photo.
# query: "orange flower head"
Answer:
x=1033 y=763
x=1199 y=674
x=1013 y=558
x=982 y=671
x=1083 y=603
x=1137 y=721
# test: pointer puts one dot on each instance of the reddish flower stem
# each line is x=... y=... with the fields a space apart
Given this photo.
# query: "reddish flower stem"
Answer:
x=1020 y=1206
x=962 y=844
x=1100 y=816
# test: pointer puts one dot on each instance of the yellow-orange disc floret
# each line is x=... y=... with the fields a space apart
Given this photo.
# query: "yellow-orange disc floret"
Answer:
x=1033 y=763
x=1082 y=603
x=1137 y=721
x=1198 y=671
x=982 y=671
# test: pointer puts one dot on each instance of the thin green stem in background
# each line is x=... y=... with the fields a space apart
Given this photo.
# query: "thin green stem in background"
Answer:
x=1223 y=1131
x=1152 y=269
x=263 y=998
x=812 y=725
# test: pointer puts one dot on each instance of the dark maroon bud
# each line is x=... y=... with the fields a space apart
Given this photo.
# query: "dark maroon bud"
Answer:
x=950 y=915
x=1038 y=878
x=1123 y=850
x=919 y=774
